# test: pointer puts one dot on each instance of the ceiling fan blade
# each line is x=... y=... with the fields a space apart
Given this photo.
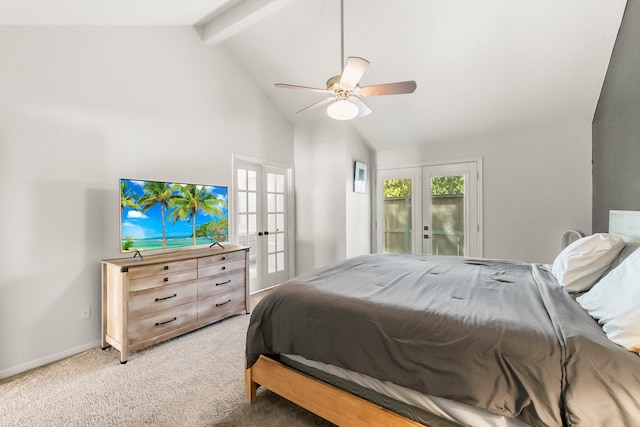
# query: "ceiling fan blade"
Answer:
x=363 y=109
x=353 y=71
x=318 y=104
x=313 y=89
x=388 y=89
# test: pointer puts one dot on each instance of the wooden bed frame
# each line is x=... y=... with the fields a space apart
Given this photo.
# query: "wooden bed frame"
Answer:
x=343 y=408
x=331 y=403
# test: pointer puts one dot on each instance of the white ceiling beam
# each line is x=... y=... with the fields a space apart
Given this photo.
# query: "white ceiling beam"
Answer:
x=237 y=18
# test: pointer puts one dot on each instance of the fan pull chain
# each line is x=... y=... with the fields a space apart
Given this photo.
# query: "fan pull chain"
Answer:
x=341 y=36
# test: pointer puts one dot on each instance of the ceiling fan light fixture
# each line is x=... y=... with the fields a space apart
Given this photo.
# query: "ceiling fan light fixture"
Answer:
x=342 y=110
x=345 y=89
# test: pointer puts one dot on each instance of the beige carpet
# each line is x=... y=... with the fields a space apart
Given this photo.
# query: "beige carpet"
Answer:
x=194 y=380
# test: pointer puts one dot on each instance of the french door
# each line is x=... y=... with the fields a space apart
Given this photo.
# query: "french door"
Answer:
x=431 y=209
x=263 y=221
x=450 y=223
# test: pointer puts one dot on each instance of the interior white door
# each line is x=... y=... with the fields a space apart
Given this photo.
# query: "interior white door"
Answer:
x=274 y=236
x=248 y=215
x=450 y=212
x=263 y=210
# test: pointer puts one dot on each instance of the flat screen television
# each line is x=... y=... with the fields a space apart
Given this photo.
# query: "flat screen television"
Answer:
x=159 y=215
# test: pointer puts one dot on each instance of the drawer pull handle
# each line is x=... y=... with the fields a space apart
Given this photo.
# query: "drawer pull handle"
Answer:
x=166 y=321
x=223 y=268
x=166 y=279
x=169 y=297
x=223 y=303
x=224 y=257
x=166 y=267
x=223 y=283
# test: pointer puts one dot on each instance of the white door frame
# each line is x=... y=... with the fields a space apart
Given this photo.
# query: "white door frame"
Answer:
x=415 y=173
x=290 y=223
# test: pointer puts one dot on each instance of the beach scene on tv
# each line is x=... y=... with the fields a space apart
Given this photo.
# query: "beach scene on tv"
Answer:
x=157 y=215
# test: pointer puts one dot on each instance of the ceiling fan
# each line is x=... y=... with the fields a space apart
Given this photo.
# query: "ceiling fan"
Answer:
x=344 y=102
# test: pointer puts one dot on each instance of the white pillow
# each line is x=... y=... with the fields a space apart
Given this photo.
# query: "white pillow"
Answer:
x=584 y=261
x=629 y=247
x=615 y=303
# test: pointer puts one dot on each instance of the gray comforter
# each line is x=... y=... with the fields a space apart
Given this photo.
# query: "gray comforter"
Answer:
x=501 y=336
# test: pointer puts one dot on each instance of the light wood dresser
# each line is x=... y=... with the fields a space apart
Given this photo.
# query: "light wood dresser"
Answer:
x=150 y=300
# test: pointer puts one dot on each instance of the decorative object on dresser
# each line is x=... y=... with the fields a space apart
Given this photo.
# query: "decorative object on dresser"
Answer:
x=150 y=300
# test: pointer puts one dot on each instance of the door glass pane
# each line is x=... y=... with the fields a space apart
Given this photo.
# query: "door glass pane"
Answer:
x=253 y=261
x=242 y=202
x=272 y=243
x=271 y=203
x=242 y=179
x=271 y=221
x=253 y=223
x=252 y=202
x=280 y=261
x=397 y=215
x=280 y=183
x=251 y=180
x=242 y=224
x=447 y=215
x=271 y=183
x=271 y=263
x=280 y=203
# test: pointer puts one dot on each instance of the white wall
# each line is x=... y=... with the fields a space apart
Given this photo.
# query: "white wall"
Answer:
x=537 y=184
x=332 y=222
x=358 y=205
x=81 y=107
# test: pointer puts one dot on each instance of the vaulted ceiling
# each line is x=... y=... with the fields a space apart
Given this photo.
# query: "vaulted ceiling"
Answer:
x=482 y=67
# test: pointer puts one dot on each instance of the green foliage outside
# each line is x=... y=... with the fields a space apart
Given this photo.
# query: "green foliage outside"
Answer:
x=397 y=188
x=440 y=186
x=446 y=185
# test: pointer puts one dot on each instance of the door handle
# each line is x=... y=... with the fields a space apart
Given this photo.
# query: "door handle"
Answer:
x=426 y=236
x=260 y=233
x=266 y=233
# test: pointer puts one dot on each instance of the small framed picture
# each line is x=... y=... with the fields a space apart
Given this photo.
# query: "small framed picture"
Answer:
x=360 y=178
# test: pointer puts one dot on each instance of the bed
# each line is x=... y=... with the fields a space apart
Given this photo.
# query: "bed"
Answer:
x=389 y=339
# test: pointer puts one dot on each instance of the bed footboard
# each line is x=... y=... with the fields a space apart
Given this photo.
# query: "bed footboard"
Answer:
x=324 y=400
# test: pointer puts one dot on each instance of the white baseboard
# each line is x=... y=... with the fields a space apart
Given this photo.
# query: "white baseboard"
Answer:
x=6 y=373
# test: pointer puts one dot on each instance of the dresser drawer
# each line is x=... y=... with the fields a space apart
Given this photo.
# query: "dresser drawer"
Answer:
x=164 y=268
x=217 y=259
x=161 y=280
x=162 y=298
x=223 y=282
x=160 y=322
x=221 y=306
x=223 y=267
